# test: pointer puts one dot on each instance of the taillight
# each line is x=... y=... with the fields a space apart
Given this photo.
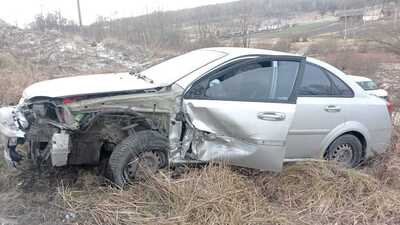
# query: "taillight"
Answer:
x=390 y=106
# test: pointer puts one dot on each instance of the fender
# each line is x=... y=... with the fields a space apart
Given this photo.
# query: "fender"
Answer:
x=349 y=126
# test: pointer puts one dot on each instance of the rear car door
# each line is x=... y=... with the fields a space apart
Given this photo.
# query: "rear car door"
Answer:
x=243 y=111
x=321 y=100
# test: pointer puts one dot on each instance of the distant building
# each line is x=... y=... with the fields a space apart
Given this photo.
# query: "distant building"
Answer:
x=365 y=15
x=270 y=25
x=351 y=14
x=373 y=15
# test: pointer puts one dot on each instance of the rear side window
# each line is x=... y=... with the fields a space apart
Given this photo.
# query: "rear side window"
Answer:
x=319 y=82
x=341 y=88
x=315 y=82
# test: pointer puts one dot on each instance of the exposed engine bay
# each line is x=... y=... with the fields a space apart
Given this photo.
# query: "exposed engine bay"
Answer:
x=80 y=129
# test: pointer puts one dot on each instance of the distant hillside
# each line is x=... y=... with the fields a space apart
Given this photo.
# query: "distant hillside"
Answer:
x=206 y=23
x=257 y=8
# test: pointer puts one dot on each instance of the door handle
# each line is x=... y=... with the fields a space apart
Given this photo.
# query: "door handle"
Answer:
x=271 y=116
x=333 y=108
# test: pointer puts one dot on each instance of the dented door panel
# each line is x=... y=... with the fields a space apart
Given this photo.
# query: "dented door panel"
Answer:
x=235 y=132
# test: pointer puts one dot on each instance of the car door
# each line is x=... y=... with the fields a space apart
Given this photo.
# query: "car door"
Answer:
x=321 y=100
x=243 y=111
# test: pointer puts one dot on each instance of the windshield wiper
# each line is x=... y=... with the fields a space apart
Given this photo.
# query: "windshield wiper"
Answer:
x=140 y=76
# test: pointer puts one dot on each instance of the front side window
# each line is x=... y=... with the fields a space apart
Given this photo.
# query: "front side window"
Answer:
x=257 y=81
x=251 y=82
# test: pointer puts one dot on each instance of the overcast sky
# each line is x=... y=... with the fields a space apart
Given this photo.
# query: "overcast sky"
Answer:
x=21 y=12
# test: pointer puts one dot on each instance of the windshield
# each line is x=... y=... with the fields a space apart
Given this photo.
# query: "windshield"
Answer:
x=176 y=68
x=368 y=85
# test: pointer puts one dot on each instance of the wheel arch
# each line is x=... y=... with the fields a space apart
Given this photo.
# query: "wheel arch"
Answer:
x=354 y=128
x=102 y=132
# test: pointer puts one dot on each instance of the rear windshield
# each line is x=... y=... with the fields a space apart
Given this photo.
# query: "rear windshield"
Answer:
x=368 y=85
x=176 y=68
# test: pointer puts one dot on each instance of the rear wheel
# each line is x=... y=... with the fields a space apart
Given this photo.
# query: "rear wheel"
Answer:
x=138 y=156
x=346 y=150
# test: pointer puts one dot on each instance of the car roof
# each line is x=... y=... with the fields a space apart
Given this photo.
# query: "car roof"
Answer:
x=234 y=52
x=359 y=78
x=249 y=51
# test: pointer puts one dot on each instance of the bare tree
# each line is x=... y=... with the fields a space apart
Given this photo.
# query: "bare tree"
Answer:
x=52 y=21
x=245 y=31
x=207 y=34
x=245 y=25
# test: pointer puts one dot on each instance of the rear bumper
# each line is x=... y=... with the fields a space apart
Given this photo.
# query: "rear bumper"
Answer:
x=10 y=135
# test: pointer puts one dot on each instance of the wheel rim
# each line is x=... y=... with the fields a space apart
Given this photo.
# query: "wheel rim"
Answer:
x=343 y=154
x=147 y=163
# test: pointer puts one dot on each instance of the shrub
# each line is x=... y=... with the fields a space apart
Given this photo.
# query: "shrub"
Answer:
x=326 y=46
x=283 y=45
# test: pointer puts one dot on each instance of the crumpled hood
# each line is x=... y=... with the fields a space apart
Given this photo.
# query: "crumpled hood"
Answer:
x=89 y=84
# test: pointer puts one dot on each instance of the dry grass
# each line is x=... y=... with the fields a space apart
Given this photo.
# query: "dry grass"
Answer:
x=13 y=84
x=304 y=193
x=15 y=76
x=2 y=164
x=322 y=193
x=386 y=167
x=213 y=195
x=3 y=174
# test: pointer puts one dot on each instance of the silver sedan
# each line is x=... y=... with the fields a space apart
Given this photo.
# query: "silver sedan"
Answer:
x=252 y=108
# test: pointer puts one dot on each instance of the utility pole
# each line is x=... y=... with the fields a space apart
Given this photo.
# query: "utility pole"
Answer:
x=79 y=12
x=396 y=14
x=345 y=19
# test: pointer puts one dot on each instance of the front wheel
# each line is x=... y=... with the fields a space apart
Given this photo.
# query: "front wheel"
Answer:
x=138 y=156
x=346 y=150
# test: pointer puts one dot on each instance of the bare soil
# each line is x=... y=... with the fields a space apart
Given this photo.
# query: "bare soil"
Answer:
x=30 y=196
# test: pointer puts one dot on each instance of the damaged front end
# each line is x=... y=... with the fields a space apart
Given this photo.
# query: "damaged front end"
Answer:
x=85 y=129
x=38 y=123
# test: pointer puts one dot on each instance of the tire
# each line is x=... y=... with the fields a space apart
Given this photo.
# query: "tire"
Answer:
x=131 y=150
x=340 y=149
